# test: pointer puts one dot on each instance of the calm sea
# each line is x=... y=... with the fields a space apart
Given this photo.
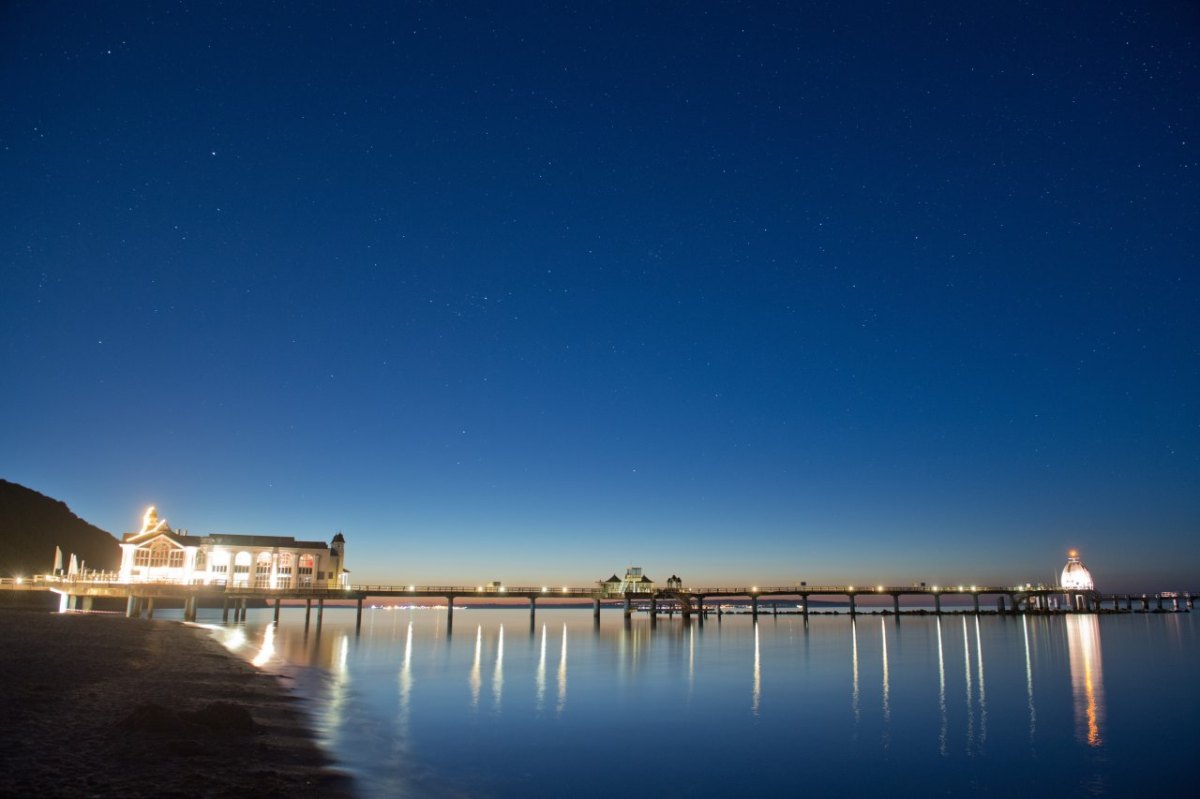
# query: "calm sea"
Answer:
x=560 y=707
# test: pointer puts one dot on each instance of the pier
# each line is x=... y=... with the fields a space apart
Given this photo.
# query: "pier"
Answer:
x=140 y=597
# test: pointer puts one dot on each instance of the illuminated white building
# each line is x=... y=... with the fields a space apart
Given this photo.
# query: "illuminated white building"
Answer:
x=156 y=553
x=1075 y=576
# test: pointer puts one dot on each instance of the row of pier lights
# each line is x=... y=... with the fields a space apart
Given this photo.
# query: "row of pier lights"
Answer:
x=673 y=599
x=687 y=602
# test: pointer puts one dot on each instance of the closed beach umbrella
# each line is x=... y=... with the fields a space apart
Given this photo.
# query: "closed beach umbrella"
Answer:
x=74 y=567
x=57 y=560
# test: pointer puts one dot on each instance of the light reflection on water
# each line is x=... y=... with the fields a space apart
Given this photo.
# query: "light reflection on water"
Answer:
x=756 y=694
x=643 y=694
x=1029 y=680
x=941 y=691
x=1087 y=676
x=562 y=674
x=854 y=676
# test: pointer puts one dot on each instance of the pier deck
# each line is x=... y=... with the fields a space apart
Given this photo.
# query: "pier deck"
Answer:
x=140 y=596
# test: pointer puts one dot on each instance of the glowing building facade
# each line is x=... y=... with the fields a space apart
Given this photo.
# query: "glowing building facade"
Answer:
x=156 y=553
x=1075 y=576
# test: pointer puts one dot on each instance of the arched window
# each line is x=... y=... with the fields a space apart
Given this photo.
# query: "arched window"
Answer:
x=219 y=564
x=158 y=553
x=284 y=569
x=304 y=569
x=262 y=570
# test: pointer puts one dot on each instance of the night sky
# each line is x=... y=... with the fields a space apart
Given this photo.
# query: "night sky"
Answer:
x=745 y=292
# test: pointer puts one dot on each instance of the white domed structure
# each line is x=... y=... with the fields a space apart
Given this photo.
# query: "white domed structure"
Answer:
x=1075 y=575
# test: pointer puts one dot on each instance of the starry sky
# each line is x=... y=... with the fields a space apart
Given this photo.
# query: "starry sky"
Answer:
x=765 y=292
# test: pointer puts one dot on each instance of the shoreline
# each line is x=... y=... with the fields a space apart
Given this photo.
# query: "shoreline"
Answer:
x=98 y=704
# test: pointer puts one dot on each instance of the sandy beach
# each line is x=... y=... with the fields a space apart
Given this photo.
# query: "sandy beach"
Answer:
x=101 y=705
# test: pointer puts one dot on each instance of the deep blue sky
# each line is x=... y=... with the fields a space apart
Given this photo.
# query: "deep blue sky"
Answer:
x=744 y=292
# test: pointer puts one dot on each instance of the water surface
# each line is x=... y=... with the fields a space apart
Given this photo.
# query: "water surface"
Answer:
x=951 y=706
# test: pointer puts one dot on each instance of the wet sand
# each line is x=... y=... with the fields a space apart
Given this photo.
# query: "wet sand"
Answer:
x=101 y=705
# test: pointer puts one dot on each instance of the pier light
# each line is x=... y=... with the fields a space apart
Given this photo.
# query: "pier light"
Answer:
x=972 y=588
x=412 y=588
x=850 y=588
x=503 y=590
x=879 y=588
x=564 y=589
x=754 y=589
x=20 y=580
x=545 y=589
x=935 y=588
x=960 y=588
x=479 y=588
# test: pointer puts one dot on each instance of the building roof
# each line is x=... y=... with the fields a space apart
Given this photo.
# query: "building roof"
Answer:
x=613 y=579
x=150 y=535
x=1075 y=575
x=228 y=539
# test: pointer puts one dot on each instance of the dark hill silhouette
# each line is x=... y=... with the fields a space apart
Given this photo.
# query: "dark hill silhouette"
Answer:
x=32 y=524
